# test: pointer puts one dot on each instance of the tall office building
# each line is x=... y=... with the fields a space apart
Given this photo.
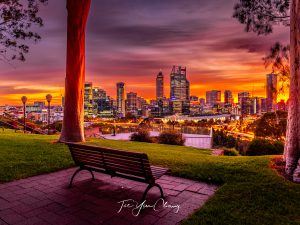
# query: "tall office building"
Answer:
x=121 y=99
x=179 y=85
x=251 y=106
x=271 y=92
x=179 y=90
x=228 y=99
x=160 y=86
x=213 y=97
x=263 y=105
x=242 y=95
x=98 y=93
x=88 y=99
x=102 y=103
x=202 y=101
x=131 y=102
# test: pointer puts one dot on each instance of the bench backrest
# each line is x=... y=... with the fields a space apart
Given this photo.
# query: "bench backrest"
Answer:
x=112 y=160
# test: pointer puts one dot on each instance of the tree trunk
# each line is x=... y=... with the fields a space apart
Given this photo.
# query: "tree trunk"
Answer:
x=72 y=130
x=292 y=150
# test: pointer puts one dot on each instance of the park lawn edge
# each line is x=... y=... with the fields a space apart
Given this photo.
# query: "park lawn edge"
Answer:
x=250 y=192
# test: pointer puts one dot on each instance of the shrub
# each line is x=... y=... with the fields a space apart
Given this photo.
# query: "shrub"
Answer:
x=241 y=146
x=230 y=152
x=141 y=135
x=220 y=138
x=171 y=138
x=264 y=147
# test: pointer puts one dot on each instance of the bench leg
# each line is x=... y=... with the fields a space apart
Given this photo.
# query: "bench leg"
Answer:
x=93 y=177
x=77 y=171
x=151 y=186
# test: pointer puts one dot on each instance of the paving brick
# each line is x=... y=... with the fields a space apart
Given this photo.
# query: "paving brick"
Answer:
x=195 y=187
x=206 y=192
x=22 y=191
x=22 y=208
x=29 y=200
x=45 y=199
x=117 y=221
x=181 y=187
x=174 y=217
x=2 y=222
x=50 y=217
x=171 y=192
x=168 y=186
x=9 y=205
x=92 y=218
x=35 y=212
x=164 y=221
x=146 y=220
x=3 y=202
x=12 y=218
x=31 y=221
x=6 y=211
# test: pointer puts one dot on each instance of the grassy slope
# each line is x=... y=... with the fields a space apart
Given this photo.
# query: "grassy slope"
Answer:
x=251 y=193
x=27 y=155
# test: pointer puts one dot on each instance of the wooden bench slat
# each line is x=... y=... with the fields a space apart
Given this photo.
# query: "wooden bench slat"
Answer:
x=97 y=154
x=99 y=158
x=134 y=169
x=109 y=150
x=128 y=163
x=126 y=171
x=88 y=160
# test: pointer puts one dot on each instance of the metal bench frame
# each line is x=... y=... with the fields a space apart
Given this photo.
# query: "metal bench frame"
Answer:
x=116 y=163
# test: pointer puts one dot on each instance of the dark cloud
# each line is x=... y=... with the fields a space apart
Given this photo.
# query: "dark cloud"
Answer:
x=132 y=40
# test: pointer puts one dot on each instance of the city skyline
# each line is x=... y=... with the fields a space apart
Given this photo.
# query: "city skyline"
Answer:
x=132 y=41
x=235 y=97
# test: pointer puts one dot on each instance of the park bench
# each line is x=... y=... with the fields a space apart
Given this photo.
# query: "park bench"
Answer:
x=116 y=163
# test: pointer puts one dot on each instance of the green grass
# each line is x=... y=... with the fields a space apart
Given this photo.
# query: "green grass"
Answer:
x=250 y=192
x=27 y=155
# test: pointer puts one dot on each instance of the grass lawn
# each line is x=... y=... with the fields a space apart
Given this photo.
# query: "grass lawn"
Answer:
x=251 y=192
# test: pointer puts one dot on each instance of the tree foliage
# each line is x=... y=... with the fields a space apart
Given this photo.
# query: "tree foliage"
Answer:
x=16 y=20
x=279 y=60
x=260 y=16
x=271 y=125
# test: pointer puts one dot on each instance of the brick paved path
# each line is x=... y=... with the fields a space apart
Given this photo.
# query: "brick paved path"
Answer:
x=45 y=199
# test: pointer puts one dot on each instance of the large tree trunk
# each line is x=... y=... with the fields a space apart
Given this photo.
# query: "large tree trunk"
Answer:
x=292 y=150
x=72 y=130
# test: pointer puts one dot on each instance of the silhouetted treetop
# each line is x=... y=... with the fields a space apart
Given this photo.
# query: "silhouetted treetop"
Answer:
x=16 y=20
x=260 y=16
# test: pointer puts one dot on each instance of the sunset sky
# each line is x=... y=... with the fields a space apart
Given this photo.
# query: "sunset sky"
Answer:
x=132 y=40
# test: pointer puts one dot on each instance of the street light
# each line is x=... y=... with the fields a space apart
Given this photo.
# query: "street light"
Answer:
x=48 y=98
x=24 y=100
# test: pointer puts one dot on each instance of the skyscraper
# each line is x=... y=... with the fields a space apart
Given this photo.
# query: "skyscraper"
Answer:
x=120 y=99
x=88 y=99
x=179 y=90
x=251 y=106
x=179 y=85
x=160 y=86
x=213 y=97
x=242 y=95
x=271 y=92
x=228 y=99
x=102 y=104
x=131 y=102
